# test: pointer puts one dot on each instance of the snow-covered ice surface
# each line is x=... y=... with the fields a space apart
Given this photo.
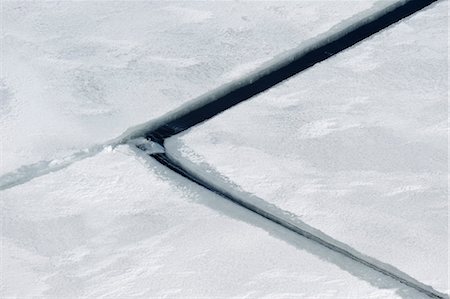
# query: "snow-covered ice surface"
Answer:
x=355 y=147
x=119 y=225
x=79 y=73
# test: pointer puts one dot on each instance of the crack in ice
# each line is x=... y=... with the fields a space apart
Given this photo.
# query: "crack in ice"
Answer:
x=322 y=47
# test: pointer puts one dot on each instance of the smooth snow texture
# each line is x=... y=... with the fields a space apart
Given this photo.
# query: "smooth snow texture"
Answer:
x=76 y=74
x=119 y=225
x=355 y=147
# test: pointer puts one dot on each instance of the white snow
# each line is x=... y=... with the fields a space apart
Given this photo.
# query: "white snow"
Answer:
x=355 y=147
x=76 y=74
x=120 y=225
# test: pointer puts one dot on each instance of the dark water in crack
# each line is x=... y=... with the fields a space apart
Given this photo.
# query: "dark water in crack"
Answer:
x=215 y=103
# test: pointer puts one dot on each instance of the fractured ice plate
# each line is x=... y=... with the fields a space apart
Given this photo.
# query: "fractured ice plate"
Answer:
x=355 y=146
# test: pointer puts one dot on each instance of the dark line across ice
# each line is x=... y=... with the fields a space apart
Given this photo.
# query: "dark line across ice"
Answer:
x=323 y=47
x=176 y=166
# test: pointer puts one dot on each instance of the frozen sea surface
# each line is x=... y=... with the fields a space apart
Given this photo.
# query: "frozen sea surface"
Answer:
x=355 y=147
x=120 y=225
x=79 y=73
